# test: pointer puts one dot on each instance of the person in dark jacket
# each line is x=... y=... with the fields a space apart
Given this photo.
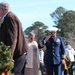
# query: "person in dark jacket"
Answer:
x=55 y=52
x=11 y=34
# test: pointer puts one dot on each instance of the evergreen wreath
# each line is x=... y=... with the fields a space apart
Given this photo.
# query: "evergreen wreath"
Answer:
x=68 y=62
x=6 y=63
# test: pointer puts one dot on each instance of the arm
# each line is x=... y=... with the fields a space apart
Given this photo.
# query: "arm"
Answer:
x=73 y=51
x=63 y=51
x=63 y=55
x=12 y=33
x=43 y=42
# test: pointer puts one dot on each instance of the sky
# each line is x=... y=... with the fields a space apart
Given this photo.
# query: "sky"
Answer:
x=30 y=11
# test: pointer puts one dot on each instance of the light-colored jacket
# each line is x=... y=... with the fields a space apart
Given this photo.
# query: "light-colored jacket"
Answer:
x=70 y=52
x=30 y=55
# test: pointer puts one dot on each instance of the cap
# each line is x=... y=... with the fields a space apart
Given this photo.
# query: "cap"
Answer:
x=52 y=29
x=4 y=5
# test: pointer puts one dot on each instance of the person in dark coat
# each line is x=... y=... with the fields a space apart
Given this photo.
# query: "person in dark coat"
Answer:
x=55 y=52
x=11 y=34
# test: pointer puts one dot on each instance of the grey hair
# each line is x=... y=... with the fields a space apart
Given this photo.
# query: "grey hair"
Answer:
x=4 y=5
x=31 y=33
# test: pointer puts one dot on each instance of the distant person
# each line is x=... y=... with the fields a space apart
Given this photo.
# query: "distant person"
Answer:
x=11 y=34
x=70 y=54
x=55 y=52
x=41 y=59
x=32 y=60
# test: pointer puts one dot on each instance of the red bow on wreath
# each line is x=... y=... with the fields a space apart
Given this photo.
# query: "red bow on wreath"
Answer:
x=6 y=71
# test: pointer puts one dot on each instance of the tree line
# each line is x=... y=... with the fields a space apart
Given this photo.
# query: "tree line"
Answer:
x=64 y=20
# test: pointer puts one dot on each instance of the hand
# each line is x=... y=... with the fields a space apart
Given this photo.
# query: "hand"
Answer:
x=47 y=38
x=12 y=58
x=41 y=62
x=63 y=61
x=27 y=61
x=64 y=64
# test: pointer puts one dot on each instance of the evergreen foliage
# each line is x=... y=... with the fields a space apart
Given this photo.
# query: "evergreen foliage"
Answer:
x=6 y=63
